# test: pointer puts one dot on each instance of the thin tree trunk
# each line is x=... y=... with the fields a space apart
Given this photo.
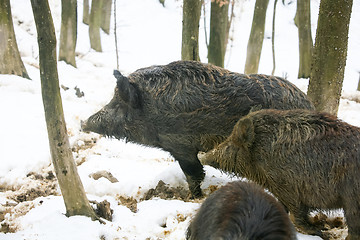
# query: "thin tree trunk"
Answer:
x=10 y=60
x=329 y=57
x=115 y=36
x=190 y=30
x=303 y=19
x=273 y=38
x=106 y=16
x=218 y=32
x=68 y=32
x=86 y=11
x=94 y=26
x=256 y=38
x=69 y=181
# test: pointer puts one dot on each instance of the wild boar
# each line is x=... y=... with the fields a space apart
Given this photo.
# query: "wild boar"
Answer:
x=241 y=211
x=186 y=107
x=308 y=160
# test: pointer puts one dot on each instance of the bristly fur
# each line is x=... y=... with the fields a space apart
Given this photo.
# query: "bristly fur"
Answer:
x=186 y=107
x=308 y=160
x=241 y=211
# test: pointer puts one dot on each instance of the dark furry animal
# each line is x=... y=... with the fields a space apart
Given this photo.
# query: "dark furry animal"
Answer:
x=308 y=160
x=186 y=107
x=241 y=211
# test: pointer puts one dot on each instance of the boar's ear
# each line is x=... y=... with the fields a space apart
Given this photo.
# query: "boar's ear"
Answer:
x=126 y=90
x=243 y=132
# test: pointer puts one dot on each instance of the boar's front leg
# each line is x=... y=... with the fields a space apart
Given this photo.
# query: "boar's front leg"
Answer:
x=187 y=157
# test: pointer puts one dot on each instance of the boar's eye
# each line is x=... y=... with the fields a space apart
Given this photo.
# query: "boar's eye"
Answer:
x=123 y=113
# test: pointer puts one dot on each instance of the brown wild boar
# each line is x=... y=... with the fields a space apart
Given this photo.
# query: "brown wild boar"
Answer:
x=308 y=160
x=241 y=211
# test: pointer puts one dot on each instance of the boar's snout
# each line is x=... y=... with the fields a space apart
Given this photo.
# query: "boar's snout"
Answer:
x=209 y=158
x=83 y=126
x=95 y=123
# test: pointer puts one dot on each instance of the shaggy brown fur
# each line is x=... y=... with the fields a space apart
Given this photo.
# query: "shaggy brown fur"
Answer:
x=308 y=160
x=241 y=211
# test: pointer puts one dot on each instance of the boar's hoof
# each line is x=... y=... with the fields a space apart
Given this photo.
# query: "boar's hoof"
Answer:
x=194 y=187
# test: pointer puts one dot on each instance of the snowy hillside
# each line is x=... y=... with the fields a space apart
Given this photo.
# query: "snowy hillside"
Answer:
x=144 y=207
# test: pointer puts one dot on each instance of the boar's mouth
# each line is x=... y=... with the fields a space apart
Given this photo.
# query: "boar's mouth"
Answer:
x=98 y=123
x=224 y=158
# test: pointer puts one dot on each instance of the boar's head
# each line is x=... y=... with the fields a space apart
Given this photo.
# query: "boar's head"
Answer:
x=233 y=155
x=122 y=116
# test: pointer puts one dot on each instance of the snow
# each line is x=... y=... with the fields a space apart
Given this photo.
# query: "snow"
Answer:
x=148 y=34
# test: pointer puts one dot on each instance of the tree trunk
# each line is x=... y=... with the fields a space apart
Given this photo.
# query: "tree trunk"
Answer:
x=68 y=32
x=69 y=181
x=190 y=30
x=303 y=19
x=218 y=32
x=329 y=59
x=10 y=60
x=273 y=38
x=106 y=16
x=256 y=38
x=94 y=26
x=86 y=10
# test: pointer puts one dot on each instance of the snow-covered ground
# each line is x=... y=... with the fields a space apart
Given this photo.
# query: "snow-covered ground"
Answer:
x=148 y=34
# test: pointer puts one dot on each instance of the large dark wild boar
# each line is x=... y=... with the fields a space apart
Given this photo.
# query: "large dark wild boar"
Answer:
x=241 y=211
x=308 y=160
x=186 y=107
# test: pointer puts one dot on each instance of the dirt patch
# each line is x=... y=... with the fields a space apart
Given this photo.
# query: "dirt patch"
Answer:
x=21 y=198
x=163 y=191
x=38 y=186
x=103 y=209
x=130 y=203
x=332 y=228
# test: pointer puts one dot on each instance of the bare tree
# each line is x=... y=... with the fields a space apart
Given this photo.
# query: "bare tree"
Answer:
x=106 y=16
x=66 y=172
x=10 y=60
x=94 y=25
x=190 y=30
x=303 y=22
x=256 y=38
x=86 y=11
x=329 y=57
x=68 y=33
x=218 y=32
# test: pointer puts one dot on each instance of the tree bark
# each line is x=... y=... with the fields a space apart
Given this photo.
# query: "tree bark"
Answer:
x=106 y=16
x=10 y=60
x=303 y=19
x=190 y=30
x=68 y=32
x=69 y=181
x=256 y=38
x=218 y=32
x=86 y=11
x=329 y=59
x=94 y=26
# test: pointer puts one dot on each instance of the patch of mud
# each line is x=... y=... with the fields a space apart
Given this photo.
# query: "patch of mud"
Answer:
x=104 y=174
x=20 y=199
x=82 y=146
x=163 y=191
x=128 y=202
x=332 y=227
x=103 y=210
